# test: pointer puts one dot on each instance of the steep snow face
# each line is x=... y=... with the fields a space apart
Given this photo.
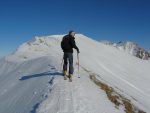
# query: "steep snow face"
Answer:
x=131 y=48
x=27 y=72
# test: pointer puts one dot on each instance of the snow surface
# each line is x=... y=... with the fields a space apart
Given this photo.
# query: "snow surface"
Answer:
x=31 y=80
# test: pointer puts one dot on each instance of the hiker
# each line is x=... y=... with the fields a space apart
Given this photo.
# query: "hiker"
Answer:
x=67 y=45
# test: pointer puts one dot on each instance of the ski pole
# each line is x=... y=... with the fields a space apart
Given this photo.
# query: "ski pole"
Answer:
x=78 y=64
x=61 y=64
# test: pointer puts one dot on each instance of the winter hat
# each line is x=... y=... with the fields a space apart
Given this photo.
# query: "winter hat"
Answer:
x=70 y=32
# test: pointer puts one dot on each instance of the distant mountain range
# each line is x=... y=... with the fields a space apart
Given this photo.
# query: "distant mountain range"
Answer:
x=131 y=48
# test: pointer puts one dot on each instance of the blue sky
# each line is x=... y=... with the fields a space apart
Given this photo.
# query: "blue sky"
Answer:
x=114 y=20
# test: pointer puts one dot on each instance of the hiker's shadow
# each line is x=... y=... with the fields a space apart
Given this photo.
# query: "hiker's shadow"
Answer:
x=40 y=75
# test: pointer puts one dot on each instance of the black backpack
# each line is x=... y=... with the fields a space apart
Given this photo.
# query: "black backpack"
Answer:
x=65 y=43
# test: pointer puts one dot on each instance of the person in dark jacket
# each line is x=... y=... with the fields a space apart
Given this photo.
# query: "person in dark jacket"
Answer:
x=67 y=45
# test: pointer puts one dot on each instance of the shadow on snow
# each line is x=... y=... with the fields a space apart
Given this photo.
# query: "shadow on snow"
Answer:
x=40 y=75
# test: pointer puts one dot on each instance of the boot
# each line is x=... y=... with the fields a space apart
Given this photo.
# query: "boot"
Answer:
x=70 y=77
x=65 y=75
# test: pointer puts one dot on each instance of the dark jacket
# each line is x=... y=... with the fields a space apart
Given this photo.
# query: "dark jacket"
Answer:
x=68 y=43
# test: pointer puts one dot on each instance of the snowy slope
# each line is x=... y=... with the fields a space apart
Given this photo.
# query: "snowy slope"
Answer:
x=31 y=81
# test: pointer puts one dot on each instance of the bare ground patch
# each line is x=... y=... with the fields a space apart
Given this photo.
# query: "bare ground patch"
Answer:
x=115 y=97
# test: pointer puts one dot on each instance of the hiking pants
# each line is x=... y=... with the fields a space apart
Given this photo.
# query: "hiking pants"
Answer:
x=68 y=57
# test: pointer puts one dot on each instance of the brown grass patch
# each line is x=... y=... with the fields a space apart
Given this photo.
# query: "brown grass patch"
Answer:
x=116 y=98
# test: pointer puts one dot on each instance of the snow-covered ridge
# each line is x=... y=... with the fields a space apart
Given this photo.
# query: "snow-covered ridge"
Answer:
x=130 y=47
x=34 y=72
x=39 y=46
